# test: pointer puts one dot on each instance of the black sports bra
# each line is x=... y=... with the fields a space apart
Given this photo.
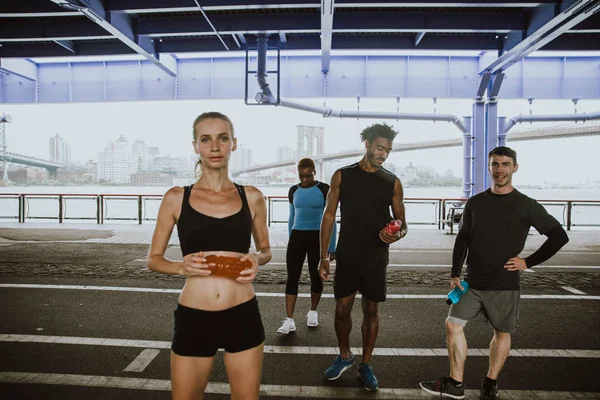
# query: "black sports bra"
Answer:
x=201 y=232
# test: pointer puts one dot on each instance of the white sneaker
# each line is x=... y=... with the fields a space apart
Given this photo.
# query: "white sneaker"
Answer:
x=312 y=318
x=288 y=326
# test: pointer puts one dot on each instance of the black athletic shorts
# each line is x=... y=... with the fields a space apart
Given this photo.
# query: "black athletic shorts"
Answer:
x=200 y=333
x=369 y=280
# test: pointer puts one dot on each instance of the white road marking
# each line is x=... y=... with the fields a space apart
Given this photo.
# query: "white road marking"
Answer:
x=572 y=290
x=156 y=345
x=583 y=252
x=144 y=359
x=422 y=265
x=269 y=294
x=538 y=267
x=327 y=392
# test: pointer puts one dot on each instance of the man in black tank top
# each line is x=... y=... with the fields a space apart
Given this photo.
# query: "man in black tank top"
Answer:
x=366 y=191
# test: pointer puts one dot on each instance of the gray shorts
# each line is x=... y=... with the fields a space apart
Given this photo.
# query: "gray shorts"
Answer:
x=500 y=308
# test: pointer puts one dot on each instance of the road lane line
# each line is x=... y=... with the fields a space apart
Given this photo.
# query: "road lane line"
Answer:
x=538 y=267
x=571 y=253
x=144 y=359
x=428 y=251
x=86 y=287
x=449 y=266
x=317 y=350
x=423 y=265
x=329 y=392
x=572 y=290
x=270 y=294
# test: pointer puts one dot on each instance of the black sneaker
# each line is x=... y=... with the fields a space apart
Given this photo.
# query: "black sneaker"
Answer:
x=488 y=391
x=443 y=387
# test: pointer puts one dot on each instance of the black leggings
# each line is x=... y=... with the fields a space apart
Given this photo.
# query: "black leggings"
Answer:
x=300 y=244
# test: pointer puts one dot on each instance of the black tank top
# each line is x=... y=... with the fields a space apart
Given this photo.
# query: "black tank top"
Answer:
x=365 y=200
x=200 y=232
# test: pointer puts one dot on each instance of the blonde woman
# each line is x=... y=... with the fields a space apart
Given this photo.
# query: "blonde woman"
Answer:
x=214 y=217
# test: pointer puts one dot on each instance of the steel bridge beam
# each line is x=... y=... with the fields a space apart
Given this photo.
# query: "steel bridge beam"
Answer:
x=118 y=24
x=545 y=26
x=327 y=10
x=21 y=68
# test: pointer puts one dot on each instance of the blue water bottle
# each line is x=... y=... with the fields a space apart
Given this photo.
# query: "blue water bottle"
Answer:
x=455 y=294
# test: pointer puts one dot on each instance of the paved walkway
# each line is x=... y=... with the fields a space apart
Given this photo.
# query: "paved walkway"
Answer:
x=418 y=237
x=81 y=292
x=118 y=251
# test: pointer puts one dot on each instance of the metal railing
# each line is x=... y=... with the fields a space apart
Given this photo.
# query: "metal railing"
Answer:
x=59 y=210
x=440 y=212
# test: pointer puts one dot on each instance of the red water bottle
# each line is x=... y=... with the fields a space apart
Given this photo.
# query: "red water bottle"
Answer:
x=393 y=227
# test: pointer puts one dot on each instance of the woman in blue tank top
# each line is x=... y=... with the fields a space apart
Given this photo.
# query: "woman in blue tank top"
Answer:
x=214 y=217
x=307 y=201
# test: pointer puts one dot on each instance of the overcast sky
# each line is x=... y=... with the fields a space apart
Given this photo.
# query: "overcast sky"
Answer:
x=167 y=124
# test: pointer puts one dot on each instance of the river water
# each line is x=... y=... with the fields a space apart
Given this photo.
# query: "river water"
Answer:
x=424 y=213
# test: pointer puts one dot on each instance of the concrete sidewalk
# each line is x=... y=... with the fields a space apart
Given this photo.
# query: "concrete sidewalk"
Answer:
x=118 y=251
x=418 y=238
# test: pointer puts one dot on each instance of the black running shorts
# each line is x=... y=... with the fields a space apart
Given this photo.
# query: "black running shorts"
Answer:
x=370 y=281
x=200 y=333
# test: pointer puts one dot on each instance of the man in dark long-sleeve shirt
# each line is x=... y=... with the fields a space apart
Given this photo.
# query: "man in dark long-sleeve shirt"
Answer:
x=492 y=234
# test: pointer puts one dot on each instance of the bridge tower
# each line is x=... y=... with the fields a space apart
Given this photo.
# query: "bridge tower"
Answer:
x=310 y=144
x=4 y=119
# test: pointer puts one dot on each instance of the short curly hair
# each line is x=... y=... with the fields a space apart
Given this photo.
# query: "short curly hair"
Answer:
x=306 y=163
x=374 y=131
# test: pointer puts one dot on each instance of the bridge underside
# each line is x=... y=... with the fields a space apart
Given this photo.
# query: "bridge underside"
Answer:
x=404 y=76
x=350 y=42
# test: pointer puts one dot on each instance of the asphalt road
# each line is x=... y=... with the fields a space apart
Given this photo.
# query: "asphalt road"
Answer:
x=74 y=317
x=406 y=323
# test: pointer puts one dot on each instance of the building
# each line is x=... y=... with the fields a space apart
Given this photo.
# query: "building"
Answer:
x=329 y=167
x=75 y=174
x=151 y=179
x=116 y=163
x=91 y=169
x=140 y=147
x=285 y=153
x=145 y=154
x=116 y=167
x=59 y=150
x=20 y=175
x=145 y=162
x=171 y=165
x=407 y=174
x=241 y=158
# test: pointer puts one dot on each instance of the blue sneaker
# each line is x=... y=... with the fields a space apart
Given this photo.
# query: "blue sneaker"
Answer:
x=338 y=367
x=365 y=374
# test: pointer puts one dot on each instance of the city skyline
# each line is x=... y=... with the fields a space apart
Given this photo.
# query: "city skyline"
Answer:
x=264 y=129
x=139 y=164
x=59 y=150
